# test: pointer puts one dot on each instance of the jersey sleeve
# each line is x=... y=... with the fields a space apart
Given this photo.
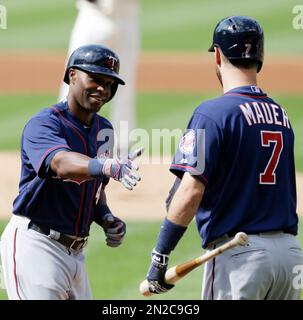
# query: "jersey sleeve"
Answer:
x=42 y=136
x=199 y=149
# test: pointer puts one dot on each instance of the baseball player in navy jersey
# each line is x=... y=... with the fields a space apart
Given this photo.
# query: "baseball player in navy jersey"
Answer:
x=66 y=164
x=114 y=23
x=235 y=169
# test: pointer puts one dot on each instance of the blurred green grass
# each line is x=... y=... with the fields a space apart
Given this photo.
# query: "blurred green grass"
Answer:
x=189 y=24
x=116 y=273
x=154 y=111
x=165 y=25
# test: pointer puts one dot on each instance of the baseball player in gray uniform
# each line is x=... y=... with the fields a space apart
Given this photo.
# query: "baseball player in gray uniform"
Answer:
x=236 y=165
x=66 y=164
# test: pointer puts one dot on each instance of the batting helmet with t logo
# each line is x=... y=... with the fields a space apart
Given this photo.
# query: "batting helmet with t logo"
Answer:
x=239 y=37
x=96 y=59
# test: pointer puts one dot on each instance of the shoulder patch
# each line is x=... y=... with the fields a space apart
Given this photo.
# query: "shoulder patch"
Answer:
x=188 y=142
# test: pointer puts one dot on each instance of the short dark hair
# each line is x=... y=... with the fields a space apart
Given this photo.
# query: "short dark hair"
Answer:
x=244 y=63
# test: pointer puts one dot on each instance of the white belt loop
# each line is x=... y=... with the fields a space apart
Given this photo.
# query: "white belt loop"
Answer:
x=53 y=234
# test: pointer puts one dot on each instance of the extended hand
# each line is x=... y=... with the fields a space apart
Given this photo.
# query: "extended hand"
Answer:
x=123 y=170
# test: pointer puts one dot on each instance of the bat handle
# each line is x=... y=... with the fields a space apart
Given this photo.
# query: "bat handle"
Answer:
x=171 y=277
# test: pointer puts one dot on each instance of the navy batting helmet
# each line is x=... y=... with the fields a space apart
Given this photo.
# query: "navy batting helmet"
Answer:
x=239 y=37
x=96 y=59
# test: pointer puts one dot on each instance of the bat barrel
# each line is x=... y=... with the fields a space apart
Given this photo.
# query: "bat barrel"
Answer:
x=144 y=289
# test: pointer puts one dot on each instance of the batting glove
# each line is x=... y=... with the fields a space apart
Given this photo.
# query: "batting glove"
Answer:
x=156 y=273
x=114 y=229
x=123 y=170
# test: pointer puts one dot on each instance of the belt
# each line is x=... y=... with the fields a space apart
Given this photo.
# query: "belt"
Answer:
x=70 y=243
x=231 y=235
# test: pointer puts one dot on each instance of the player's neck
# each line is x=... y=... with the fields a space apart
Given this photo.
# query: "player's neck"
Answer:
x=237 y=78
x=80 y=113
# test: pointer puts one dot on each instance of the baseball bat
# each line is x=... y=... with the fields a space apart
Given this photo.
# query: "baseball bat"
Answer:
x=177 y=272
x=136 y=153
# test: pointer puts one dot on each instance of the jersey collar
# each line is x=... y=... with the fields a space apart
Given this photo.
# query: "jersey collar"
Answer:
x=76 y=121
x=246 y=90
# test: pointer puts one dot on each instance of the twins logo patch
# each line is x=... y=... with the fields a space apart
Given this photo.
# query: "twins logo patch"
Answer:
x=188 y=142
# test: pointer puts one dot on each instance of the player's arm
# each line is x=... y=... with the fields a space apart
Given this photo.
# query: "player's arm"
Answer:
x=114 y=228
x=73 y=165
x=50 y=155
x=195 y=161
x=182 y=209
x=186 y=200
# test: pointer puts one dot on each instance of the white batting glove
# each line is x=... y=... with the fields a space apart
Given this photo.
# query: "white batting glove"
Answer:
x=123 y=170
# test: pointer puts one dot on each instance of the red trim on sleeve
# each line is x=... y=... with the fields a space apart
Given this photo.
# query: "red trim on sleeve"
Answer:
x=15 y=265
x=188 y=167
x=48 y=151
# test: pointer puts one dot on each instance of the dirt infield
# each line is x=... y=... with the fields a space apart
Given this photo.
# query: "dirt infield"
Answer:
x=145 y=202
x=175 y=72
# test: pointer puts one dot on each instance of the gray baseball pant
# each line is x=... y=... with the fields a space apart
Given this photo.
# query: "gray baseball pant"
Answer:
x=36 y=267
x=262 y=270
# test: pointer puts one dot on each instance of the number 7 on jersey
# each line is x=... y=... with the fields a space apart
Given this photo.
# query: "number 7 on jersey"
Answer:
x=268 y=138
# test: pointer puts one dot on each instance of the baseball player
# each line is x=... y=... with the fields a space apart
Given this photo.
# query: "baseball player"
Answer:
x=114 y=23
x=236 y=165
x=66 y=164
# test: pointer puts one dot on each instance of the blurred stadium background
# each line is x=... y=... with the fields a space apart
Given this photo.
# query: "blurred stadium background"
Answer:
x=175 y=74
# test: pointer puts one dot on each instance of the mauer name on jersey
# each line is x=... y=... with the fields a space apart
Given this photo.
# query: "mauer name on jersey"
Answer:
x=261 y=112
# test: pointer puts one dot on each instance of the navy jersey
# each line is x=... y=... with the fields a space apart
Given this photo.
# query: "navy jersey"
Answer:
x=66 y=205
x=241 y=147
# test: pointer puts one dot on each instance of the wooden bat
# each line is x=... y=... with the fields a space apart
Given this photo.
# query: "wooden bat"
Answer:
x=177 y=272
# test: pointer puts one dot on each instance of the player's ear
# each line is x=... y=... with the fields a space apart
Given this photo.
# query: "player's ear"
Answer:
x=218 y=56
x=72 y=75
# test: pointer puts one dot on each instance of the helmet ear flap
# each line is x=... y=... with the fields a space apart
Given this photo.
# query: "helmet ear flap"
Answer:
x=113 y=90
x=66 y=76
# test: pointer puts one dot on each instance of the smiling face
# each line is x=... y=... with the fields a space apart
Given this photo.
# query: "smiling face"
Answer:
x=90 y=91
